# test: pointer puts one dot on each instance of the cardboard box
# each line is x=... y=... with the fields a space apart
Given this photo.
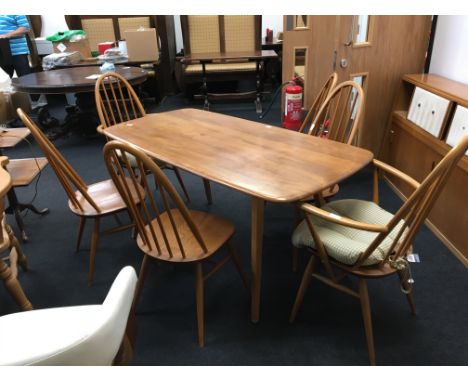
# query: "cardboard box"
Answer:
x=81 y=46
x=43 y=46
x=142 y=44
x=9 y=102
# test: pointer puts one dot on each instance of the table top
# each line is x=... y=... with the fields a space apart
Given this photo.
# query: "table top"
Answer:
x=268 y=162
x=251 y=55
x=94 y=61
x=10 y=137
x=71 y=80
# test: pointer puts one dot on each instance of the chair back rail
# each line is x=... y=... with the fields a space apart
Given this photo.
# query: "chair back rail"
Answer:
x=158 y=220
x=417 y=207
x=318 y=101
x=116 y=100
x=340 y=113
x=67 y=176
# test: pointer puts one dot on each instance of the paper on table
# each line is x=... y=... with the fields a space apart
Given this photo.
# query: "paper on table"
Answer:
x=93 y=77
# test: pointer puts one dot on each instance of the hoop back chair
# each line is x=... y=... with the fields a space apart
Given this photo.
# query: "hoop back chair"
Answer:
x=75 y=335
x=92 y=201
x=326 y=89
x=337 y=118
x=9 y=243
x=360 y=238
x=117 y=102
x=167 y=230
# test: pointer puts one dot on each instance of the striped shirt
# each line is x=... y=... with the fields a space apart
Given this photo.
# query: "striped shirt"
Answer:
x=9 y=23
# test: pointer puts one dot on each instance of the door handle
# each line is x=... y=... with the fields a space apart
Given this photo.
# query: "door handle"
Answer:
x=335 y=55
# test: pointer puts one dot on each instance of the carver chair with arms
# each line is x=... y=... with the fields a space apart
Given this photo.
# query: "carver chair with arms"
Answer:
x=359 y=238
x=93 y=201
x=117 y=102
x=167 y=230
x=337 y=118
x=88 y=335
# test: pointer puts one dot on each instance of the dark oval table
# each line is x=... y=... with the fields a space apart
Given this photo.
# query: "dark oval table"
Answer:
x=71 y=80
x=78 y=80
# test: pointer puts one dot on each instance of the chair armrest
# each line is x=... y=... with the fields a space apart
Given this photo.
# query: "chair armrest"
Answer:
x=334 y=218
x=399 y=174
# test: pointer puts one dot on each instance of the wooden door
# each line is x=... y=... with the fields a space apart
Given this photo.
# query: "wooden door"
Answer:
x=393 y=46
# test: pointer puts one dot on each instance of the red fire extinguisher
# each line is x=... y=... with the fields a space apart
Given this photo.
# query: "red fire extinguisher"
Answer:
x=293 y=106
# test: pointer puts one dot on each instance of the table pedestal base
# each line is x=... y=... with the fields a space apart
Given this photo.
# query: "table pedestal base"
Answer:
x=16 y=208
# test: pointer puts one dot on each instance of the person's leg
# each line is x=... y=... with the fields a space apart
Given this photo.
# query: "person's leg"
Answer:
x=8 y=69
x=21 y=64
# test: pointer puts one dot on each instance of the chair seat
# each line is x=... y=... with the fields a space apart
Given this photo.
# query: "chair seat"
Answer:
x=106 y=196
x=345 y=244
x=23 y=171
x=53 y=331
x=214 y=230
x=222 y=67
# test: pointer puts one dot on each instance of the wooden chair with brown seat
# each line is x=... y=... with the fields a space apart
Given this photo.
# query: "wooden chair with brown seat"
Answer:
x=337 y=118
x=9 y=243
x=93 y=201
x=167 y=230
x=359 y=238
x=117 y=102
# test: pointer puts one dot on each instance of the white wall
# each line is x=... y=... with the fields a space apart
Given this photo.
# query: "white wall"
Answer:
x=52 y=23
x=450 y=50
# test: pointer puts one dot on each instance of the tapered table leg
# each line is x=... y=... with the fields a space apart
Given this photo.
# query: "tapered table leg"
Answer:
x=258 y=206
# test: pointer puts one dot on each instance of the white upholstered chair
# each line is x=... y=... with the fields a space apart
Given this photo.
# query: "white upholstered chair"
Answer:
x=75 y=335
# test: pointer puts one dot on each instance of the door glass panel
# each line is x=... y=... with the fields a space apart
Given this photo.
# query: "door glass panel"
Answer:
x=300 y=55
x=300 y=21
x=300 y=65
x=361 y=29
x=361 y=79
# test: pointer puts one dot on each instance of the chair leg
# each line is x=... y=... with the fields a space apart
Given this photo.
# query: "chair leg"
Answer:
x=92 y=254
x=295 y=259
x=237 y=263
x=15 y=245
x=14 y=287
x=80 y=232
x=306 y=279
x=409 y=296
x=141 y=281
x=181 y=182
x=117 y=220
x=366 y=315
x=200 y=304
x=295 y=254
x=207 y=185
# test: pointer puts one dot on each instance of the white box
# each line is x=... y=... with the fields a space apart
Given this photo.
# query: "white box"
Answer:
x=458 y=127
x=428 y=111
x=43 y=46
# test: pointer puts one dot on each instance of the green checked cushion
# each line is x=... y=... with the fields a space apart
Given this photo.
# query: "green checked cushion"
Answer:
x=345 y=244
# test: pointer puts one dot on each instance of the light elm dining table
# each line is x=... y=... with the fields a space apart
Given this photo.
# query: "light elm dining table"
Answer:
x=265 y=162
